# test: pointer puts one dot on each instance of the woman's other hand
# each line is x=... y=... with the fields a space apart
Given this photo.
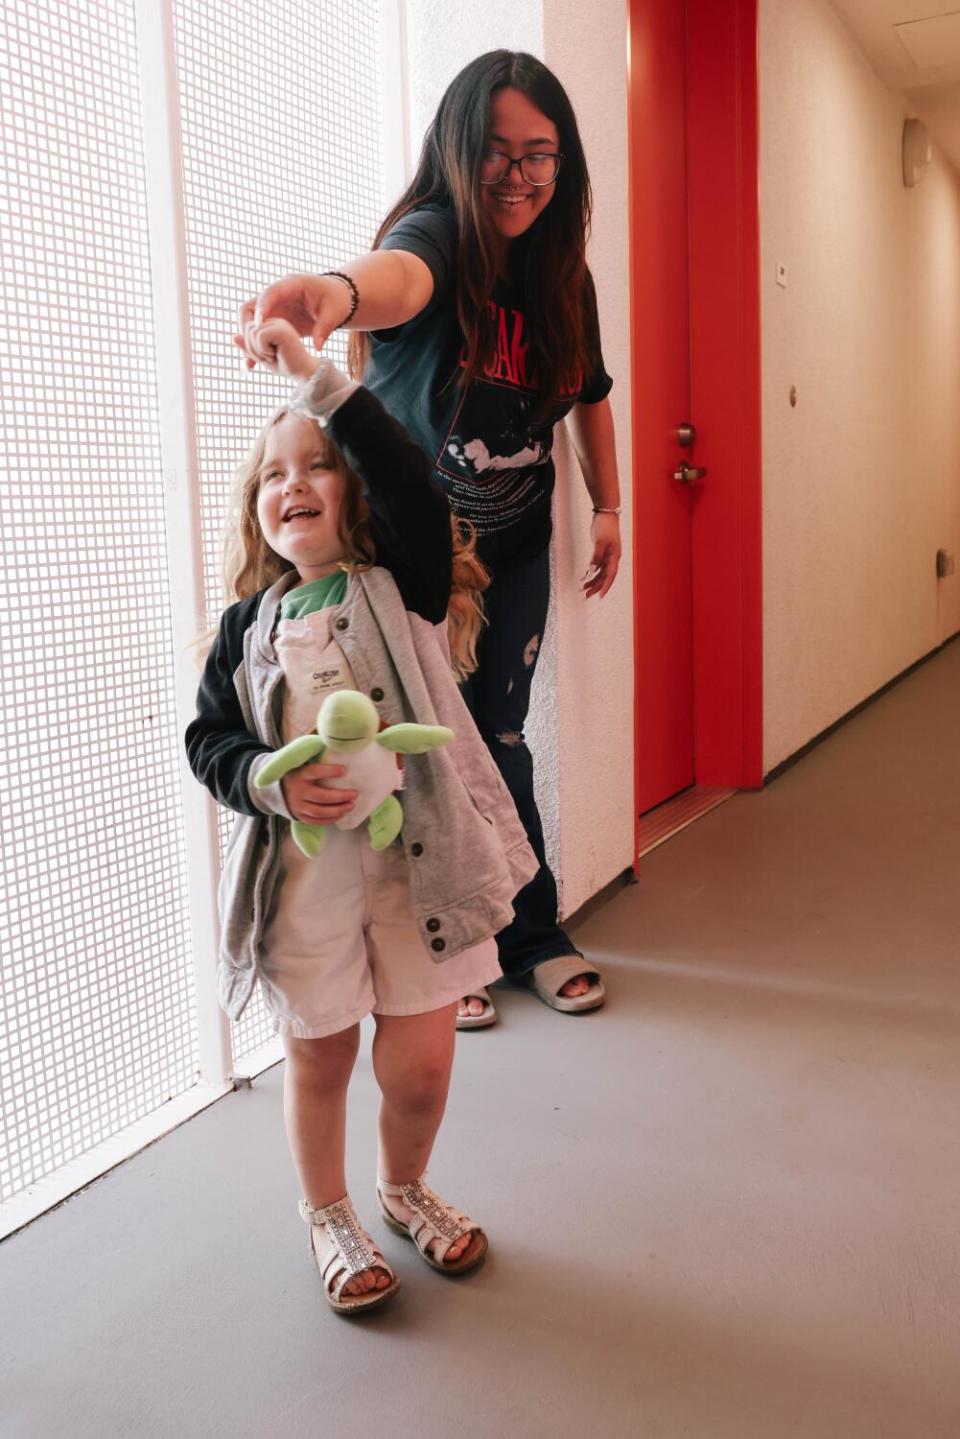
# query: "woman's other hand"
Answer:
x=607 y=548
x=312 y=305
x=312 y=799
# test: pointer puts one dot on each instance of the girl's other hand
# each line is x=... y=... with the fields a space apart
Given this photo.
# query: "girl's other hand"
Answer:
x=607 y=548
x=311 y=799
x=313 y=304
x=281 y=349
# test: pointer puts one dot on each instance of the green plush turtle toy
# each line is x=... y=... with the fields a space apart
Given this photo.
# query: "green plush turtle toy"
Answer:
x=348 y=733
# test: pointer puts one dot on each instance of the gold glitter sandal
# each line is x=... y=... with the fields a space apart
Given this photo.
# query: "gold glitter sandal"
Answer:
x=433 y=1218
x=351 y=1251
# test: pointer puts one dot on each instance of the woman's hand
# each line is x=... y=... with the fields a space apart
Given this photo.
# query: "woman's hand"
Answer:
x=607 y=548
x=282 y=350
x=311 y=799
x=312 y=305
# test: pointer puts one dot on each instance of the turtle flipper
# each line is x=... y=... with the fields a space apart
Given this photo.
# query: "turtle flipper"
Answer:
x=414 y=738
x=292 y=756
x=310 y=838
x=385 y=823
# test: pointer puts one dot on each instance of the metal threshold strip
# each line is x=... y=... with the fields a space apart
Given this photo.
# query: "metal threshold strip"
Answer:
x=669 y=818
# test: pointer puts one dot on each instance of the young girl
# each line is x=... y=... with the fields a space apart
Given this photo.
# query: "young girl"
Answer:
x=342 y=569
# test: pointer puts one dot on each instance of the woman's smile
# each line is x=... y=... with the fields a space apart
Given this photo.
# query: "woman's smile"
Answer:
x=517 y=128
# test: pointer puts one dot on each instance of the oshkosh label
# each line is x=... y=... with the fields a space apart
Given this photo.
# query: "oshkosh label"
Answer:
x=330 y=678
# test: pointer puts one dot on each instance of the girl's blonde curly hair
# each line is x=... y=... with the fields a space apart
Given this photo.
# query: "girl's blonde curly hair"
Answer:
x=251 y=565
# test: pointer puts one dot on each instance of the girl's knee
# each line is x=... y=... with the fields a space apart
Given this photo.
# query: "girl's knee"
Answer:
x=327 y=1059
x=421 y=1088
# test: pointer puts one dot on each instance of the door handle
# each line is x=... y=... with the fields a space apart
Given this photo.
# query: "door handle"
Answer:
x=688 y=473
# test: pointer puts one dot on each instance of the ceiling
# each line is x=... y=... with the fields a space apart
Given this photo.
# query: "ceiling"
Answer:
x=914 y=46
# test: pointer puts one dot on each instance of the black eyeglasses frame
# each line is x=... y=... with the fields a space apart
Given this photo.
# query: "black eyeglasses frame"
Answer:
x=518 y=161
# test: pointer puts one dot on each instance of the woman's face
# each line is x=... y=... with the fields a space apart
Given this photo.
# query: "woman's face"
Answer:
x=517 y=128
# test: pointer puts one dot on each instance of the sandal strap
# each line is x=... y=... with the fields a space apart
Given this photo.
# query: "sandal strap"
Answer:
x=552 y=974
x=433 y=1218
x=353 y=1249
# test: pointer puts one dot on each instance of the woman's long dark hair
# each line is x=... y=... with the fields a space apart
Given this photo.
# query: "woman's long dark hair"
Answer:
x=548 y=261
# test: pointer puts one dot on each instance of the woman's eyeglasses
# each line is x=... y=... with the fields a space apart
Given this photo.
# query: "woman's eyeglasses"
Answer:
x=534 y=169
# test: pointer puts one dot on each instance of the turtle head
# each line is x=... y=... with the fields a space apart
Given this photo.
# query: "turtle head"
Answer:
x=348 y=721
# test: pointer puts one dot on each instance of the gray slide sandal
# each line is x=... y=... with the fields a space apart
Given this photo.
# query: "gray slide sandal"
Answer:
x=551 y=975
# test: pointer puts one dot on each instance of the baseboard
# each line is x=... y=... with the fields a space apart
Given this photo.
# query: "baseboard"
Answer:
x=598 y=900
x=792 y=759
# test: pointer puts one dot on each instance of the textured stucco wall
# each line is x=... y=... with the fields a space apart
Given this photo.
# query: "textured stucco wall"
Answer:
x=862 y=479
x=581 y=723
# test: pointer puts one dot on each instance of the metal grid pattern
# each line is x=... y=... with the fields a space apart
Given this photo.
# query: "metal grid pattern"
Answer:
x=282 y=141
x=97 y=1005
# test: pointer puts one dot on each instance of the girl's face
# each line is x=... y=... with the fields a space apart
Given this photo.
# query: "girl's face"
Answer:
x=517 y=128
x=299 y=498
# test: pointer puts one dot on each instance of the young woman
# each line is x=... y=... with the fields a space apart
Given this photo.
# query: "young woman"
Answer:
x=477 y=326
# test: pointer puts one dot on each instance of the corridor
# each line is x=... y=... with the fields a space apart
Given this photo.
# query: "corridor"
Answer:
x=725 y=1207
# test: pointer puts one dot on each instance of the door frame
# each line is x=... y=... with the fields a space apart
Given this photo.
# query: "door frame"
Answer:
x=724 y=231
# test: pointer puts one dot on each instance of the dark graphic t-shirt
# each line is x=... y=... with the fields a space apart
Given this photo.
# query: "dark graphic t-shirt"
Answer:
x=490 y=457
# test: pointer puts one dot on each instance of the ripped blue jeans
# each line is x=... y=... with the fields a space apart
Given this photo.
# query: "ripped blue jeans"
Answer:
x=498 y=696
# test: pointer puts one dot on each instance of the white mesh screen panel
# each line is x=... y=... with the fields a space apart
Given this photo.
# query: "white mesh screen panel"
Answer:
x=282 y=140
x=97 y=1026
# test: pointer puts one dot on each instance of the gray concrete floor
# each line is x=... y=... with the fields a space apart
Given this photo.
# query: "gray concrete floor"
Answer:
x=725 y=1207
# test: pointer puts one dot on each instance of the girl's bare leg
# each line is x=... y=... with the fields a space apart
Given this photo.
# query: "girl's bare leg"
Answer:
x=412 y=1059
x=316 y=1076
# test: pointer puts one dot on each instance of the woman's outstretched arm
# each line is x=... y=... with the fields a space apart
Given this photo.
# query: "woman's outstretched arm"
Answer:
x=393 y=286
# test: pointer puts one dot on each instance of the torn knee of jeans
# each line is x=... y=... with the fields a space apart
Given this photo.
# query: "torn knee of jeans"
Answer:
x=530 y=651
x=510 y=738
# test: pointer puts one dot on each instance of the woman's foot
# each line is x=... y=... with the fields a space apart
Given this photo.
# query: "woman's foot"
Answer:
x=567 y=983
x=476 y=1011
x=578 y=985
x=428 y=1215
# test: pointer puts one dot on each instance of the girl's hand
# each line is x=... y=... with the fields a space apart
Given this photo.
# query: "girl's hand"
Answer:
x=311 y=800
x=607 y=548
x=312 y=304
x=281 y=349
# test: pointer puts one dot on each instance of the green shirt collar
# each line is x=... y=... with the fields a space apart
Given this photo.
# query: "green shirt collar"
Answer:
x=314 y=595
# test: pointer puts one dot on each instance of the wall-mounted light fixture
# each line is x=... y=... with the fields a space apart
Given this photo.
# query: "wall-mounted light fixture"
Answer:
x=917 y=150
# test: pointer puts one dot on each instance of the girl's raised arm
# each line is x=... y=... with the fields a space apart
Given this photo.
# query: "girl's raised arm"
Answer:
x=391 y=286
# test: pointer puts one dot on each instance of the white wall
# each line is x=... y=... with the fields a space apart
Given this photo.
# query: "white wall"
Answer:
x=581 y=724
x=862 y=479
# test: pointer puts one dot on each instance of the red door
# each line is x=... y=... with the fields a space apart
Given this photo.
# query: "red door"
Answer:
x=696 y=412
x=660 y=333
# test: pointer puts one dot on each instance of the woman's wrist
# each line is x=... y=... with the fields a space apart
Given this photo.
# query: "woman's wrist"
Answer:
x=348 y=284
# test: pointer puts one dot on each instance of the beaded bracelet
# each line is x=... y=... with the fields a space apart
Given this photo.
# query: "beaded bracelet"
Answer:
x=606 y=510
x=339 y=275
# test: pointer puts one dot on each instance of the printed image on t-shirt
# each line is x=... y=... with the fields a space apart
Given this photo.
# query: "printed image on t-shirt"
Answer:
x=495 y=462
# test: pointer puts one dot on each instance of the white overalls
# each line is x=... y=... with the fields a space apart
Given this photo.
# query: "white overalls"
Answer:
x=340 y=941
